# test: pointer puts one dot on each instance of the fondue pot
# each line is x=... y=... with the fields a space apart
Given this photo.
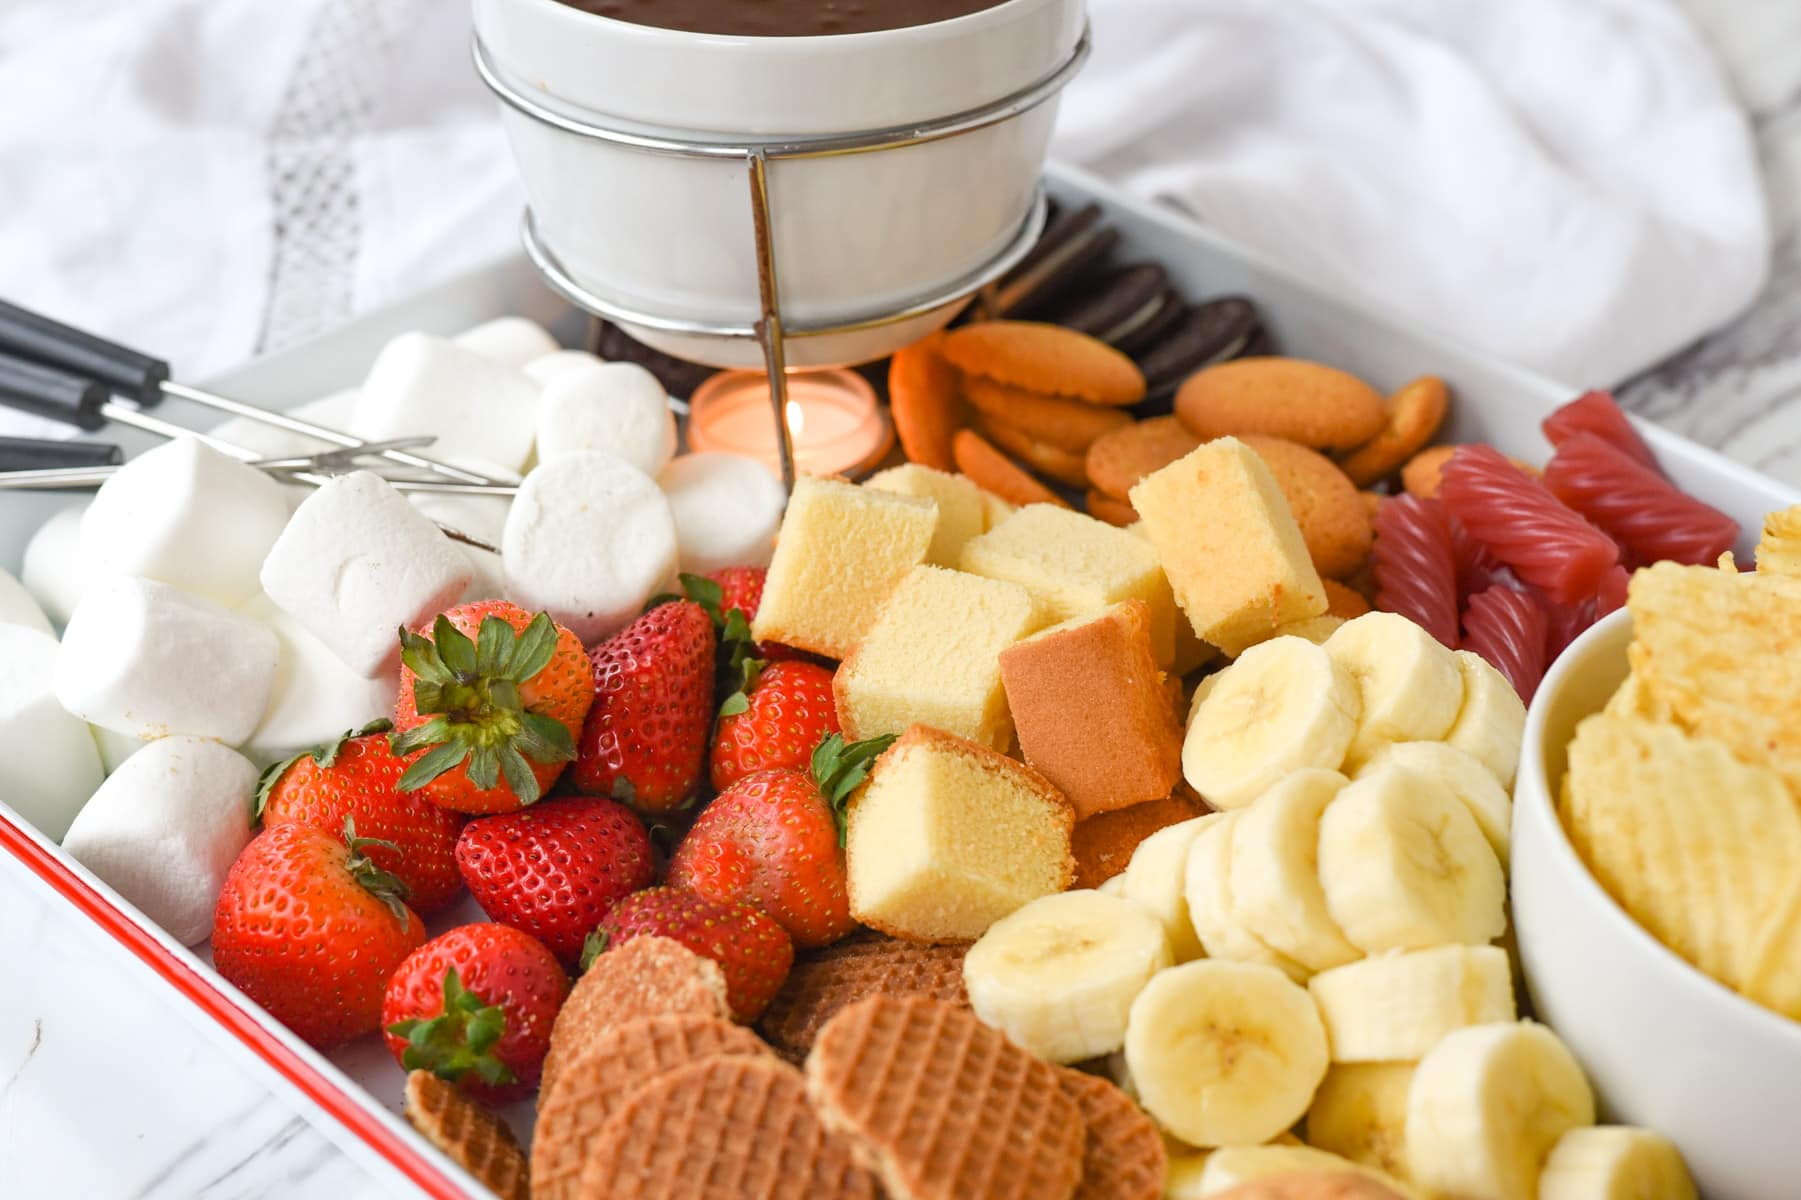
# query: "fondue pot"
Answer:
x=778 y=201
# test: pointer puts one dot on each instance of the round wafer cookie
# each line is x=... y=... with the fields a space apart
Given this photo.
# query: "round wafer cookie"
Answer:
x=1305 y=402
x=1118 y=460
x=1414 y=415
x=473 y=1138
x=1066 y=424
x=722 y=1129
x=1046 y=358
x=597 y=1079
x=993 y=471
x=923 y=398
x=1123 y=1157
x=942 y=1107
x=1064 y=466
x=1334 y=523
x=862 y=965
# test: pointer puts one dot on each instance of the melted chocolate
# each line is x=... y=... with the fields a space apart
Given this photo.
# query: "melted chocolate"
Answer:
x=782 y=18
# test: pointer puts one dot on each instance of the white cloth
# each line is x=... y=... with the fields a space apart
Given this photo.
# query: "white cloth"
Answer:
x=1566 y=182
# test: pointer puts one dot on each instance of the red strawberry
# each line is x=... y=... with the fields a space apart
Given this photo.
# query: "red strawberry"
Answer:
x=489 y=706
x=787 y=712
x=311 y=929
x=474 y=1006
x=555 y=868
x=355 y=777
x=751 y=949
x=646 y=738
x=742 y=588
x=774 y=840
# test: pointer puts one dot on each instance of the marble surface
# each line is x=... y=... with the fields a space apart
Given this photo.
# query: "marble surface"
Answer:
x=108 y=1093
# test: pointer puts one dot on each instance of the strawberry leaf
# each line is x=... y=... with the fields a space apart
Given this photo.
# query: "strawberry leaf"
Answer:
x=533 y=649
x=484 y=767
x=420 y=656
x=519 y=776
x=545 y=739
x=460 y=1040
x=454 y=648
x=734 y=704
x=838 y=768
x=593 y=946
x=433 y=764
x=706 y=593
x=384 y=885
x=493 y=646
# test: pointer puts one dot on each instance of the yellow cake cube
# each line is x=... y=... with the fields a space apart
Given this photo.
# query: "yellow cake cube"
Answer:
x=960 y=515
x=946 y=837
x=994 y=510
x=1076 y=566
x=1191 y=653
x=1229 y=545
x=933 y=658
x=840 y=551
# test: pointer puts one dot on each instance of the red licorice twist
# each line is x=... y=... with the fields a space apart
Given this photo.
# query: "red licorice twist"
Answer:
x=1416 y=565
x=1529 y=529
x=1477 y=567
x=1564 y=623
x=1509 y=629
x=1597 y=413
x=1611 y=596
x=1641 y=509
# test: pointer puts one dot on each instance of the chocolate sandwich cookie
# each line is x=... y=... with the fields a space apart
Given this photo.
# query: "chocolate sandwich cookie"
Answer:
x=678 y=377
x=1119 y=305
x=1212 y=332
x=1073 y=246
x=1164 y=321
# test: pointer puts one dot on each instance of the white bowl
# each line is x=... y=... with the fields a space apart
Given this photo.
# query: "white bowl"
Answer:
x=1665 y=1046
x=854 y=236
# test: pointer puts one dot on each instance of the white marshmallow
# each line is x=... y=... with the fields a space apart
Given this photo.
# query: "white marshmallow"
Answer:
x=55 y=571
x=48 y=763
x=356 y=563
x=513 y=341
x=115 y=747
x=589 y=539
x=185 y=514
x=166 y=827
x=316 y=697
x=619 y=408
x=727 y=509
x=474 y=406
x=151 y=660
x=547 y=367
x=483 y=517
x=18 y=608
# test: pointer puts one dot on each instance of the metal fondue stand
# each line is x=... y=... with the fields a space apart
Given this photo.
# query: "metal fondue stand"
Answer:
x=769 y=330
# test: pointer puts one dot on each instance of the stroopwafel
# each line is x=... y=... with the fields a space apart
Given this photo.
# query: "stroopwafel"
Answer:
x=1124 y=1156
x=474 y=1138
x=862 y=965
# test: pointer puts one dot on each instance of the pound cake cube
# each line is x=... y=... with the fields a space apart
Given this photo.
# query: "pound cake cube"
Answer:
x=946 y=837
x=933 y=658
x=960 y=515
x=1229 y=544
x=840 y=551
x=1076 y=566
x=1093 y=712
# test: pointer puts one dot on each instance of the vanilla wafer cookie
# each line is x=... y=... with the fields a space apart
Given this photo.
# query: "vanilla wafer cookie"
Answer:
x=475 y=1139
x=862 y=965
x=722 y=1128
x=1124 y=1157
x=942 y=1107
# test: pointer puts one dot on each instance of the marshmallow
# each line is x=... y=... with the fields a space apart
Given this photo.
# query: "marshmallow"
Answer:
x=165 y=828
x=151 y=660
x=547 y=367
x=474 y=406
x=513 y=341
x=187 y=515
x=483 y=517
x=356 y=563
x=316 y=697
x=727 y=509
x=589 y=539
x=55 y=571
x=619 y=408
x=48 y=763
x=115 y=747
x=18 y=608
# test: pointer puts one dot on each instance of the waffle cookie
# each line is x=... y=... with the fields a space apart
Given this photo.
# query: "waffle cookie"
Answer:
x=862 y=965
x=598 y=1079
x=1124 y=1157
x=475 y=1139
x=942 y=1107
x=722 y=1128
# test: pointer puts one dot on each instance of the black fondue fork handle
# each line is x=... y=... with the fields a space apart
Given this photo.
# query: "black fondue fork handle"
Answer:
x=37 y=454
x=50 y=343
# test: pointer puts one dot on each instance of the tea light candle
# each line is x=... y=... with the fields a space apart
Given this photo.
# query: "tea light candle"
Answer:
x=833 y=419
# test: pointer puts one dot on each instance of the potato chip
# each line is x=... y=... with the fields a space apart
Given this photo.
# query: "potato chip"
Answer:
x=1773 y=977
x=1632 y=700
x=1779 y=552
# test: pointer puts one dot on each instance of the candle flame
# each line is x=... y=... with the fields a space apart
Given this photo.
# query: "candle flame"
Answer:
x=797 y=418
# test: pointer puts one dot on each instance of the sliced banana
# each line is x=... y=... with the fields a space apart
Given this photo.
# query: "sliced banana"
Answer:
x=1408 y=685
x=1486 y=1107
x=1202 y=690
x=1396 y=1007
x=1234 y=1166
x=1275 y=891
x=1223 y=1053
x=1360 y=1112
x=1208 y=887
x=1404 y=865
x=1058 y=976
x=1156 y=878
x=1182 y=1178
x=1115 y=886
x=1283 y=705
x=1614 y=1162
x=1486 y=799
x=1491 y=721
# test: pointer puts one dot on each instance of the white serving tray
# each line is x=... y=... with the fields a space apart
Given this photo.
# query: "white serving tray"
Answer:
x=353 y=1095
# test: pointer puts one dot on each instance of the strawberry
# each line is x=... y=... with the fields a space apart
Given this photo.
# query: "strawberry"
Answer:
x=355 y=778
x=555 y=868
x=775 y=840
x=311 y=929
x=489 y=706
x=474 y=1006
x=742 y=588
x=751 y=949
x=645 y=741
x=787 y=712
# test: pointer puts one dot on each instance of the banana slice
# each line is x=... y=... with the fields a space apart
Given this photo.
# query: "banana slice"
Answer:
x=1486 y=799
x=1235 y=1166
x=1396 y=1007
x=1156 y=878
x=1274 y=879
x=1486 y=1107
x=1283 y=705
x=1360 y=1112
x=1182 y=1179
x=1614 y=1162
x=1058 y=976
x=1223 y=1053
x=1404 y=865
x=1491 y=721
x=1208 y=887
x=1408 y=685
x=1202 y=690
x=1115 y=886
